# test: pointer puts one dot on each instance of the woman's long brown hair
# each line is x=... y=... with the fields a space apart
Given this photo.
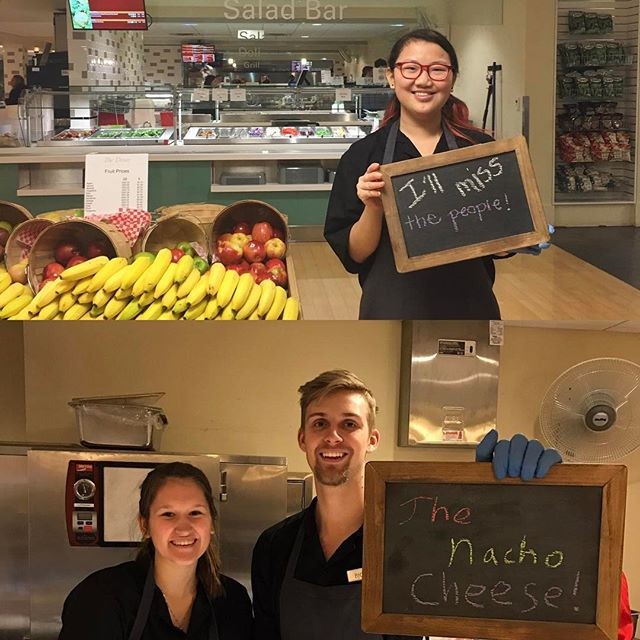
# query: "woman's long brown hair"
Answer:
x=455 y=112
x=208 y=568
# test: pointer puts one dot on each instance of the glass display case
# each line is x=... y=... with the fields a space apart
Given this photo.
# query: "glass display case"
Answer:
x=596 y=99
x=230 y=114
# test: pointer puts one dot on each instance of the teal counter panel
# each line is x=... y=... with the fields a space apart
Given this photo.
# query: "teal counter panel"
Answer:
x=176 y=183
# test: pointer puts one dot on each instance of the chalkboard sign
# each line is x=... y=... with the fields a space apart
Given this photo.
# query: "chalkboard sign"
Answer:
x=457 y=205
x=450 y=551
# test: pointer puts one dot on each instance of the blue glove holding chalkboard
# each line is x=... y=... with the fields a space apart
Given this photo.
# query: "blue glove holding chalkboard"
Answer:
x=537 y=249
x=516 y=457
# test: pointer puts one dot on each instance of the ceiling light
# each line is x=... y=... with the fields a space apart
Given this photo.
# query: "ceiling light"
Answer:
x=230 y=60
x=304 y=36
x=316 y=24
x=397 y=25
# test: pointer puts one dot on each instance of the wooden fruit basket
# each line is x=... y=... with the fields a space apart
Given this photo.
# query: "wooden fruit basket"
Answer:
x=78 y=231
x=172 y=229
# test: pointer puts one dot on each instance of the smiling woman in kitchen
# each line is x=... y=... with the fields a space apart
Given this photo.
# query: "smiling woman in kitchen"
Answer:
x=422 y=118
x=174 y=588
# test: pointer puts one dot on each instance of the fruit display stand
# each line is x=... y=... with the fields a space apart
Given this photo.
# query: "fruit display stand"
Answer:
x=253 y=212
x=79 y=232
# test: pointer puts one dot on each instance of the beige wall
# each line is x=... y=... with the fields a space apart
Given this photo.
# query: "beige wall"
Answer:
x=13 y=425
x=233 y=390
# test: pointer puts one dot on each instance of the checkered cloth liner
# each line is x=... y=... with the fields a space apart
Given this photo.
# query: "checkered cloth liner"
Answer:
x=131 y=222
x=26 y=237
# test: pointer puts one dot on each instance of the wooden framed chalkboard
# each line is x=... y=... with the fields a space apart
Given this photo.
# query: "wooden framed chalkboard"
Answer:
x=462 y=204
x=450 y=551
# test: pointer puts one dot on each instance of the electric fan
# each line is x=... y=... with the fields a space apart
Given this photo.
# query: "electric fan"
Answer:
x=591 y=412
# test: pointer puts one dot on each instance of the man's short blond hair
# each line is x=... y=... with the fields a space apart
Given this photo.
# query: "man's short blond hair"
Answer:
x=330 y=382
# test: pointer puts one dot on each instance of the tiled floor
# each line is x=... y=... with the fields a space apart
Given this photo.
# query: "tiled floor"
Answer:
x=615 y=250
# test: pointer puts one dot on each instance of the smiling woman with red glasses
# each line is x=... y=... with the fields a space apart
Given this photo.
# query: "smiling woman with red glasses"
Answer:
x=422 y=118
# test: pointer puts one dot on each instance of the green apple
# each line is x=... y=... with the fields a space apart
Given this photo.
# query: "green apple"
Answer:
x=200 y=264
x=144 y=254
x=5 y=225
x=186 y=248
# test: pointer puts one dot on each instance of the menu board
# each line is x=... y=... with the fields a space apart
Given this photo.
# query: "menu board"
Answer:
x=450 y=550
x=123 y=15
x=114 y=182
x=198 y=53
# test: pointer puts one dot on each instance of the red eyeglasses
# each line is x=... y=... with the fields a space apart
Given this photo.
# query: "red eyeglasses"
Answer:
x=412 y=70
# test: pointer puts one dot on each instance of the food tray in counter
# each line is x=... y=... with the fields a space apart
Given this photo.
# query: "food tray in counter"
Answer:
x=105 y=136
x=280 y=135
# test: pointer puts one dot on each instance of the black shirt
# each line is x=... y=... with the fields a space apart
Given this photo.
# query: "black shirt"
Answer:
x=14 y=95
x=104 y=606
x=460 y=290
x=270 y=557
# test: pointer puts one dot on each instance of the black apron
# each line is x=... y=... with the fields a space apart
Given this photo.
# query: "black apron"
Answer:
x=145 y=606
x=461 y=290
x=312 y=612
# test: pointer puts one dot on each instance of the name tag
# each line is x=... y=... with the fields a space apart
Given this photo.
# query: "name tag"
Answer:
x=355 y=575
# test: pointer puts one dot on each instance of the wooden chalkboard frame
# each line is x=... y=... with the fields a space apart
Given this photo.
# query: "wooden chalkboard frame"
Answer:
x=517 y=144
x=612 y=479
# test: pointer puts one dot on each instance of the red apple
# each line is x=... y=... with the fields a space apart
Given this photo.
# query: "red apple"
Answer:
x=262 y=231
x=275 y=263
x=263 y=275
x=275 y=248
x=240 y=238
x=229 y=253
x=52 y=270
x=242 y=227
x=75 y=260
x=225 y=237
x=97 y=248
x=254 y=251
x=176 y=254
x=256 y=269
x=4 y=235
x=279 y=233
x=241 y=267
x=279 y=276
x=65 y=251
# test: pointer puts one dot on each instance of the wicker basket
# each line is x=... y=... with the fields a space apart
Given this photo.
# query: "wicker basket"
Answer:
x=22 y=239
x=253 y=211
x=172 y=229
x=204 y=212
x=78 y=231
x=13 y=213
x=250 y=211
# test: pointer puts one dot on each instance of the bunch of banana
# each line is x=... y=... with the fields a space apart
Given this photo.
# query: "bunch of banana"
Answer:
x=148 y=289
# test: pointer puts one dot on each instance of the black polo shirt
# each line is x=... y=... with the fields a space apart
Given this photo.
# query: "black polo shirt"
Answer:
x=104 y=606
x=270 y=558
x=460 y=290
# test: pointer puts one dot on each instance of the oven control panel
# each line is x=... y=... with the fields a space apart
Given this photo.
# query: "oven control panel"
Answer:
x=82 y=499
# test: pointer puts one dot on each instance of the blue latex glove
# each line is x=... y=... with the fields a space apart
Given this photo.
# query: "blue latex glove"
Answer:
x=516 y=457
x=537 y=249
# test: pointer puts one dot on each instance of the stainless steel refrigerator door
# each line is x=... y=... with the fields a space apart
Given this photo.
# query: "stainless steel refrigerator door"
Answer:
x=254 y=497
x=14 y=587
x=55 y=567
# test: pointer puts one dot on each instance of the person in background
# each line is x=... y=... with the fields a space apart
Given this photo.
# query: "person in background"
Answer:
x=301 y=567
x=367 y=72
x=212 y=80
x=421 y=119
x=18 y=87
x=380 y=63
x=264 y=79
x=174 y=589
x=292 y=80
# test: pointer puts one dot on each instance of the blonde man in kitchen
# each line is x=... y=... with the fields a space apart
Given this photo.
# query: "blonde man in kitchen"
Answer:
x=307 y=569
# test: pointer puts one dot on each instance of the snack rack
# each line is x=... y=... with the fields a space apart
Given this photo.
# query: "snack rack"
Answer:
x=596 y=95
